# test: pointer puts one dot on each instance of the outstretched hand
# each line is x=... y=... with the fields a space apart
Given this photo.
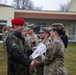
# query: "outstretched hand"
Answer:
x=34 y=63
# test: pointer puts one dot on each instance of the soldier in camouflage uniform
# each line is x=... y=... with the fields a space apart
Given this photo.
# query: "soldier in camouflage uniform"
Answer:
x=5 y=30
x=33 y=36
x=54 y=58
x=26 y=35
x=33 y=41
x=44 y=36
x=18 y=51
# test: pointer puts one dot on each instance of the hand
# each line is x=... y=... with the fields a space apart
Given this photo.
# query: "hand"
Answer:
x=42 y=56
x=34 y=63
x=34 y=48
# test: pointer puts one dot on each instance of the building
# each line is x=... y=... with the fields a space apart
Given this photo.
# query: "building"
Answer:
x=72 y=6
x=41 y=18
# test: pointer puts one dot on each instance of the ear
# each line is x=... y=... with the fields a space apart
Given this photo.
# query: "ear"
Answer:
x=56 y=32
x=15 y=26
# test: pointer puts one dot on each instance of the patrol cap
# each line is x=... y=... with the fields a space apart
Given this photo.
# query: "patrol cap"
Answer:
x=59 y=25
x=26 y=29
x=48 y=29
x=44 y=29
x=41 y=30
x=31 y=26
x=56 y=27
x=18 y=21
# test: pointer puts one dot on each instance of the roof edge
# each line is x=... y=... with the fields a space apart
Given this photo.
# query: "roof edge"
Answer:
x=5 y=5
x=45 y=12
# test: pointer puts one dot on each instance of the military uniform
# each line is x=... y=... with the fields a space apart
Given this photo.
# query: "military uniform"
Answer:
x=46 y=41
x=18 y=52
x=54 y=56
x=5 y=34
x=33 y=40
x=27 y=38
x=54 y=62
x=33 y=37
x=5 y=30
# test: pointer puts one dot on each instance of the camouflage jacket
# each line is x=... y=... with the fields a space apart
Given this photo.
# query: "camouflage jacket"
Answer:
x=18 y=54
x=54 y=62
x=47 y=41
x=40 y=69
x=33 y=40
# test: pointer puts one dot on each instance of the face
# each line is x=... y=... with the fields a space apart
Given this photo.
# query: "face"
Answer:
x=19 y=28
x=25 y=32
x=52 y=33
x=30 y=31
x=42 y=35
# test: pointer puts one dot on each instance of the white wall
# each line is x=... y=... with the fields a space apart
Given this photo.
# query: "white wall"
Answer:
x=72 y=6
x=7 y=13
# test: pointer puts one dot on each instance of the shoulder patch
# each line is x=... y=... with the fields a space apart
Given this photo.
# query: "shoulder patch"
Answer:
x=13 y=43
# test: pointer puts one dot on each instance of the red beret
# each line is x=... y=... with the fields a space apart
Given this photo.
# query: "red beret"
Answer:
x=18 y=21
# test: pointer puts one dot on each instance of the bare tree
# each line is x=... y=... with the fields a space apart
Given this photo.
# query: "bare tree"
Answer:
x=2 y=1
x=24 y=4
x=64 y=7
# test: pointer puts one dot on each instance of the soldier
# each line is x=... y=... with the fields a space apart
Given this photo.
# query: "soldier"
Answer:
x=33 y=36
x=54 y=58
x=63 y=36
x=26 y=35
x=5 y=30
x=18 y=51
x=44 y=36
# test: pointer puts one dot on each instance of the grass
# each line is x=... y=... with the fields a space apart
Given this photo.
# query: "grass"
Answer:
x=70 y=60
x=3 y=61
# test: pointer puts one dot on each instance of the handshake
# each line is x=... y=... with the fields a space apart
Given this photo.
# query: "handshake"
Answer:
x=34 y=63
x=33 y=66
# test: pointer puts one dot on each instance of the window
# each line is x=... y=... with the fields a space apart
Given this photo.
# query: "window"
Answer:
x=1 y=26
x=37 y=29
x=73 y=30
x=0 y=37
x=42 y=23
x=27 y=23
x=3 y=22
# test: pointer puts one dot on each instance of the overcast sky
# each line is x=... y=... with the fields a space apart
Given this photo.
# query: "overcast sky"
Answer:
x=47 y=4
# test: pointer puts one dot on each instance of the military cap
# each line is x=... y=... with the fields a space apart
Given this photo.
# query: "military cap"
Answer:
x=44 y=29
x=55 y=26
x=48 y=29
x=25 y=29
x=41 y=30
x=31 y=26
x=18 y=21
x=60 y=25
